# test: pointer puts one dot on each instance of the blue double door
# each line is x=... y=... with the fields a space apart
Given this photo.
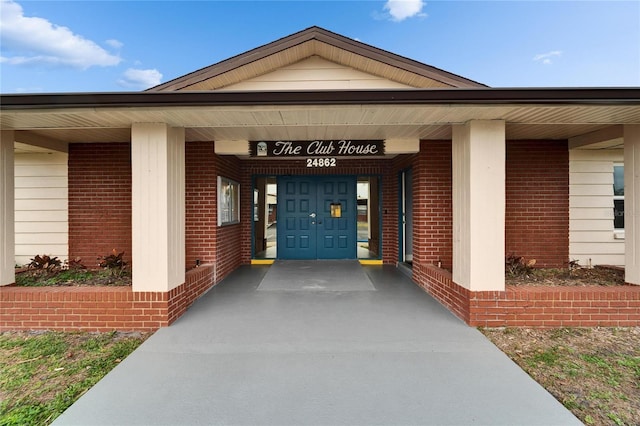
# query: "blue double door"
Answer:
x=316 y=217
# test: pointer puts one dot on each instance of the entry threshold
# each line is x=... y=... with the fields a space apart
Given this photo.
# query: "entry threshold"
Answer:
x=270 y=261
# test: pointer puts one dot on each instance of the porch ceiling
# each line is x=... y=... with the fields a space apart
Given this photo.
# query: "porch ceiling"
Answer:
x=290 y=120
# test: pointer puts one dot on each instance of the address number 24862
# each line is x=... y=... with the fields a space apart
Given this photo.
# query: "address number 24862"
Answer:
x=321 y=162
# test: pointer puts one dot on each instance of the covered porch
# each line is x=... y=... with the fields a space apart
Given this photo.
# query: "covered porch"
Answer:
x=472 y=130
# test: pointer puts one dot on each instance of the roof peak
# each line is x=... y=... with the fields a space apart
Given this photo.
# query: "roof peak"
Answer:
x=339 y=49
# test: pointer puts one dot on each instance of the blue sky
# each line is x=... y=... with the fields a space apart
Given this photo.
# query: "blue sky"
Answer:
x=113 y=46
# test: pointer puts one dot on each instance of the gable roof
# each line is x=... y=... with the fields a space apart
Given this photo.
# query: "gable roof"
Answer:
x=316 y=41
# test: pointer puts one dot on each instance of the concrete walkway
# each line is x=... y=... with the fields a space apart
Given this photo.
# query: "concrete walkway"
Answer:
x=387 y=356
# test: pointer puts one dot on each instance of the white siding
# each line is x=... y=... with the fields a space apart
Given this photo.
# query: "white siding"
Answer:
x=41 y=207
x=591 y=234
x=316 y=73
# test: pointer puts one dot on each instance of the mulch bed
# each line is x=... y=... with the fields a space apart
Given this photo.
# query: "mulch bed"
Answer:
x=599 y=275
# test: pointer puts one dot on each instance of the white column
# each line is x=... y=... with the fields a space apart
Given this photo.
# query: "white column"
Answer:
x=158 y=206
x=7 y=214
x=478 y=161
x=632 y=203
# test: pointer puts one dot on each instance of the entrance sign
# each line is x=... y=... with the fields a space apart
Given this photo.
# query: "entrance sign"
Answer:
x=321 y=162
x=294 y=149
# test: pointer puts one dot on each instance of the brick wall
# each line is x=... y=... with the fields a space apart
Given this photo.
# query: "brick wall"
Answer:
x=204 y=239
x=99 y=201
x=525 y=306
x=229 y=241
x=536 y=226
x=200 y=203
x=432 y=204
x=439 y=284
x=99 y=308
x=537 y=201
x=100 y=204
x=197 y=282
x=390 y=214
x=593 y=306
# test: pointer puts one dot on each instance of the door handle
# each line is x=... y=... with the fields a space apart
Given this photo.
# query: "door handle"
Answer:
x=312 y=215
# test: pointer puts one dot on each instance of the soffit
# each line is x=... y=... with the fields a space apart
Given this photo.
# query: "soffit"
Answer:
x=318 y=122
x=23 y=148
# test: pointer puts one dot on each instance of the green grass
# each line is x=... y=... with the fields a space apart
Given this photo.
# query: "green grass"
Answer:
x=595 y=373
x=42 y=374
x=548 y=357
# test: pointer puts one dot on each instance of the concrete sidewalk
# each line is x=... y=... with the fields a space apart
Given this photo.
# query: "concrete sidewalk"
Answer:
x=388 y=356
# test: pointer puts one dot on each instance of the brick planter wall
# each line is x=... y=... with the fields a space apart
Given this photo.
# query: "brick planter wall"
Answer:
x=99 y=308
x=528 y=306
x=438 y=283
x=593 y=306
x=197 y=282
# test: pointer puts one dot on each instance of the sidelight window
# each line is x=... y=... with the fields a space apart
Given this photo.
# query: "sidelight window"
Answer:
x=228 y=201
x=618 y=197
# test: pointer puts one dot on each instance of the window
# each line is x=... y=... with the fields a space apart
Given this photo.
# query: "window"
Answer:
x=228 y=201
x=618 y=197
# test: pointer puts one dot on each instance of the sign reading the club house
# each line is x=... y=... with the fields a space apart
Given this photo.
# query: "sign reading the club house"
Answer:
x=341 y=148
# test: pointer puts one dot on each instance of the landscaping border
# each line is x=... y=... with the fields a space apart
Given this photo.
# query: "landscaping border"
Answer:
x=119 y=308
x=103 y=308
x=534 y=306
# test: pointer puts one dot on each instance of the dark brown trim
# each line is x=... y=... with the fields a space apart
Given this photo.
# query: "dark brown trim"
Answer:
x=483 y=96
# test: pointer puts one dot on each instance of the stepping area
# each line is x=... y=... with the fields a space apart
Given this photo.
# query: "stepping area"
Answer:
x=316 y=275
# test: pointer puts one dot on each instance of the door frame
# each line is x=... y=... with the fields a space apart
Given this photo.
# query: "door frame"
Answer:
x=378 y=211
x=403 y=185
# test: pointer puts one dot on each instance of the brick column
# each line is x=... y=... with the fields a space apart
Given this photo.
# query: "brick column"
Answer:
x=158 y=206
x=632 y=203
x=7 y=215
x=478 y=161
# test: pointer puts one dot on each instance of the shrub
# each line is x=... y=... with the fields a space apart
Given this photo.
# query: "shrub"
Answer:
x=45 y=263
x=114 y=262
x=74 y=264
x=518 y=266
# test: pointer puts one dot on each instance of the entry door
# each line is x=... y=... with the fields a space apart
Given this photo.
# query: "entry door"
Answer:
x=316 y=217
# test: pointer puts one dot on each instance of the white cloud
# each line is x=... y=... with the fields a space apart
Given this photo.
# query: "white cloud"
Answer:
x=116 y=44
x=140 y=79
x=403 y=9
x=547 y=58
x=33 y=40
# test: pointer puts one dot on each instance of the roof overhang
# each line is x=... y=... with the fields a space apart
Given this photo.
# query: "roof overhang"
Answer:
x=363 y=114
